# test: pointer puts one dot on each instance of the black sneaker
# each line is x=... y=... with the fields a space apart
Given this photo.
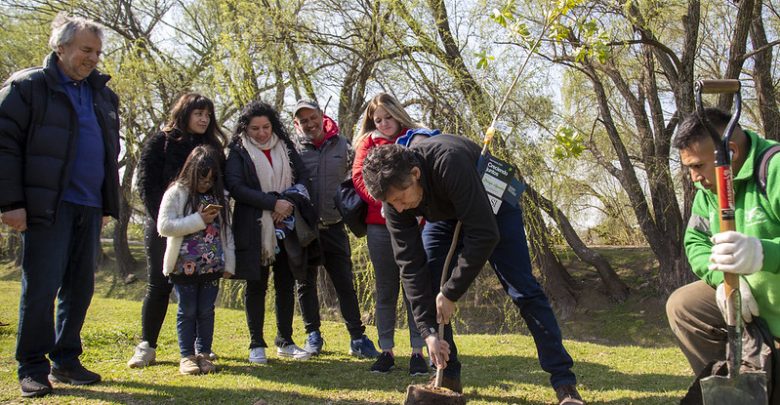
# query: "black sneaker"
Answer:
x=568 y=395
x=418 y=365
x=383 y=364
x=77 y=375
x=34 y=387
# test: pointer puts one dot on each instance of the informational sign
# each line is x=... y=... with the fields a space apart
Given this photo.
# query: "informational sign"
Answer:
x=513 y=191
x=496 y=178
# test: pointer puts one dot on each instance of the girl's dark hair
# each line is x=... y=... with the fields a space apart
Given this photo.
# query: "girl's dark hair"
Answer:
x=179 y=118
x=201 y=160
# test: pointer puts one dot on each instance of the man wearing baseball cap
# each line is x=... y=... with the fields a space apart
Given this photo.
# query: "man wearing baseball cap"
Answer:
x=327 y=156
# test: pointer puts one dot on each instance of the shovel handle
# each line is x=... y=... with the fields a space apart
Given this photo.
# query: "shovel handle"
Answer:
x=444 y=277
x=718 y=86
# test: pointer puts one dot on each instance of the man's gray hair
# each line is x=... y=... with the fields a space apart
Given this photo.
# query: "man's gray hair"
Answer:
x=64 y=28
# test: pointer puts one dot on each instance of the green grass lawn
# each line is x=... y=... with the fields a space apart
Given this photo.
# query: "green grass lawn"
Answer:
x=498 y=369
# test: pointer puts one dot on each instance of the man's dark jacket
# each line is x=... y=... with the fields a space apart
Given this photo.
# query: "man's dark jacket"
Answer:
x=38 y=136
x=452 y=189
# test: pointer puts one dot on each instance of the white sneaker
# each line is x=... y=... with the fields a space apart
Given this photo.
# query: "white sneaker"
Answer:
x=293 y=351
x=257 y=355
x=144 y=356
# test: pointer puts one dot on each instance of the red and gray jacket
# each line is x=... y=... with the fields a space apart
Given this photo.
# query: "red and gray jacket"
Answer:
x=328 y=165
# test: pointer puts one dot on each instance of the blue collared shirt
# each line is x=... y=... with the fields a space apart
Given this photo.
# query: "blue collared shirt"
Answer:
x=88 y=171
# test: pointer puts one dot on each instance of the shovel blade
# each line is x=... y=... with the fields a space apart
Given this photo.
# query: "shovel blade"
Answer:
x=745 y=388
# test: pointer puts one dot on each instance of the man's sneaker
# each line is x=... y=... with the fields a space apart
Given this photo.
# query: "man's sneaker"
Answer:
x=205 y=365
x=144 y=356
x=257 y=355
x=418 y=365
x=451 y=383
x=34 y=387
x=383 y=364
x=363 y=348
x=189 y=365
x=76 y=375
x=314 y=343
x=568 y=395
x=293 y=351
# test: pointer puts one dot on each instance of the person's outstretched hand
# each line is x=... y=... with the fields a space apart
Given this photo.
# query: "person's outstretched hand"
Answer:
x=16 y=219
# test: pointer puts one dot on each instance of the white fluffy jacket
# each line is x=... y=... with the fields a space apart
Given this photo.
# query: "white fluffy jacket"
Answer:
x=174 y=226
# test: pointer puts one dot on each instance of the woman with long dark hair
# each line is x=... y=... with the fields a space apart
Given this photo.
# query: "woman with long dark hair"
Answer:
x=191 y=123
x=262 y=163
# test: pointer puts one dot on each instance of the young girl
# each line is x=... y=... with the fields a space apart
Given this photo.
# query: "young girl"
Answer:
x=193 y=217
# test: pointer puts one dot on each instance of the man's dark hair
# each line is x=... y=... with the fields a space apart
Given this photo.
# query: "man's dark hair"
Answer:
x=388 y=166
x=691 y=130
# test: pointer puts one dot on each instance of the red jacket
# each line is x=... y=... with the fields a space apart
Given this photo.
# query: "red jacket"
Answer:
x=374 y=214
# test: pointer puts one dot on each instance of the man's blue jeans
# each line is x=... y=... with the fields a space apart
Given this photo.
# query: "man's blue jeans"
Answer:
x=512 y=264
x=58 y=261
x=195 y=318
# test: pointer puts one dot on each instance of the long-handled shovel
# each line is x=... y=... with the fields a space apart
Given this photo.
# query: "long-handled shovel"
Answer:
x=421 y=394
x=736 y=388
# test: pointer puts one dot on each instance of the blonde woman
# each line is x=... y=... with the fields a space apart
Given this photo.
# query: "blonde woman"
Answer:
x=384 y=121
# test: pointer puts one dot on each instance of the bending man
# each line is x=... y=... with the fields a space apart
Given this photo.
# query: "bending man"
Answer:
x=438 y=180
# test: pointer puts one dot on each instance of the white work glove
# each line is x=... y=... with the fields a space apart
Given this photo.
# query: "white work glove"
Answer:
x=733 y=252
x=749 y=305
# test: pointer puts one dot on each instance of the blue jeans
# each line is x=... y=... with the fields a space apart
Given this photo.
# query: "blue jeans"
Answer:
x=512 y=264
x=195 y=318
x=58 y=261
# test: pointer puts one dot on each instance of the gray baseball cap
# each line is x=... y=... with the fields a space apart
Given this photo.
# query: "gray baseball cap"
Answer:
x=305 y=103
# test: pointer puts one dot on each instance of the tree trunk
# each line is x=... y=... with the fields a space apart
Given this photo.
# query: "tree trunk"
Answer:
x=557 y=282
x=125 y=263
x=617 y=290
x=11 y=246
x=762 y=77
x=18 y=249
x=678 y=271
x=737 y=49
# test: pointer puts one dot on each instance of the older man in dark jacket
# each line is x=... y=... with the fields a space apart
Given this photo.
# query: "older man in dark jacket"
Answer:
x=326 y=155
x=438 y=180
x=59 y=142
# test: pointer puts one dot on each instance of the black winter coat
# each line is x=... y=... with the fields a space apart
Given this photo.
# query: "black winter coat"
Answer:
x=250 y=201
x=162 y=158
x=452 y=189
x=38 y=132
